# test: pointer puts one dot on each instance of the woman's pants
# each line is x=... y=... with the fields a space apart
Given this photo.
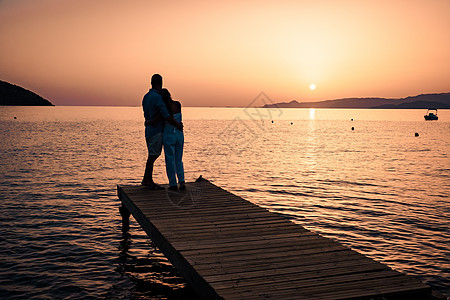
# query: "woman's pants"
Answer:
x=173 y=152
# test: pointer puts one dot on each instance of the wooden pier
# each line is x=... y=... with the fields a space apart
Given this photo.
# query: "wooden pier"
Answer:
x=228 y=248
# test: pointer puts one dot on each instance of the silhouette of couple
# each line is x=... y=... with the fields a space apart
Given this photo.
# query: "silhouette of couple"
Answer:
x=163 y=126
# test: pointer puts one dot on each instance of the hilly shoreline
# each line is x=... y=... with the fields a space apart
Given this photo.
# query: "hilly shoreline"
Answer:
x=423 y=101
x=11 y=94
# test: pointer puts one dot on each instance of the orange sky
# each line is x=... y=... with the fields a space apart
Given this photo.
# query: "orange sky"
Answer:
x=103 y=52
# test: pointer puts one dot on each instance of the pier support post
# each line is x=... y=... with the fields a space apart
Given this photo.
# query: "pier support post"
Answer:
x=125 y=213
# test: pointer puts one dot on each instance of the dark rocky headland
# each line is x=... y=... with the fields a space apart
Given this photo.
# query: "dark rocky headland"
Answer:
x=11 y=94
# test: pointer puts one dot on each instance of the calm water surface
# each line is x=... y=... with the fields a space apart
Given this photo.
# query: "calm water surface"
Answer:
x=377 y=188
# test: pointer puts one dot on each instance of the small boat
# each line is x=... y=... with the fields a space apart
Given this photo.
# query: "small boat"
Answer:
x=431 y=114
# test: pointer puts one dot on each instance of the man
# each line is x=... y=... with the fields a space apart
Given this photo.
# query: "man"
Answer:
x=154 y=107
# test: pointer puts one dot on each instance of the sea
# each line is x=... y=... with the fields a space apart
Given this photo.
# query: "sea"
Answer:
x=377 y=181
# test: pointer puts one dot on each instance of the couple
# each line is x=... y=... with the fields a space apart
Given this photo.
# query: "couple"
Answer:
x=163 y=126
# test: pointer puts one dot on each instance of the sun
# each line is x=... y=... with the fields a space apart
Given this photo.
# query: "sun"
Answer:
x=312 y=86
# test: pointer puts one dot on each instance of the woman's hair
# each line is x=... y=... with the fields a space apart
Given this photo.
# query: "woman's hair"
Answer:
x=167 y=98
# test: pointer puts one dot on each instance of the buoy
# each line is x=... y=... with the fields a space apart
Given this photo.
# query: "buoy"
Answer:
x=353 y=128
x=417 y=134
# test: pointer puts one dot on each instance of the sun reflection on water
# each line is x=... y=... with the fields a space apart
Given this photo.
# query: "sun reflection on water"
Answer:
x=312 y=113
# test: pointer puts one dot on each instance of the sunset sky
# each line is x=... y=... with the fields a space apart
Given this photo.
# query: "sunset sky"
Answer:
x=210 y=53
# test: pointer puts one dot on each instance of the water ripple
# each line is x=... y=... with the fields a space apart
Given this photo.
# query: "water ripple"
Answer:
x=378 y=190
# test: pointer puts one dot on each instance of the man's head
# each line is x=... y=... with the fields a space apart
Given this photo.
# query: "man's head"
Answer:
x=156 y=82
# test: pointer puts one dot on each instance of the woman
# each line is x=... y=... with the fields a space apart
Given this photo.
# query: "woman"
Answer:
x=173 y=141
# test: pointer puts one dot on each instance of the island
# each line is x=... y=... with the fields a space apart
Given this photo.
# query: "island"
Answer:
x=423 y=101
x=11 y=94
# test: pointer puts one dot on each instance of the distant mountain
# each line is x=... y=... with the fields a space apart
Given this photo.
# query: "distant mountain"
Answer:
x=11 y=94
x=416 y=105
x=424 y=101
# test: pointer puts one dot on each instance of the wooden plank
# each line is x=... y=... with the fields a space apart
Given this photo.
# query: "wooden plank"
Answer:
x=218 y=221
x=228 y=247
x=217 y=234
x=242 y=228
x=276 y=263
x=254 y=244
x=396 y=287
x=206 y=217
x=291 y=255
x=214 y=225
x=260 y=249
x=314 y=270
x=263 y=238
x=303 y=280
